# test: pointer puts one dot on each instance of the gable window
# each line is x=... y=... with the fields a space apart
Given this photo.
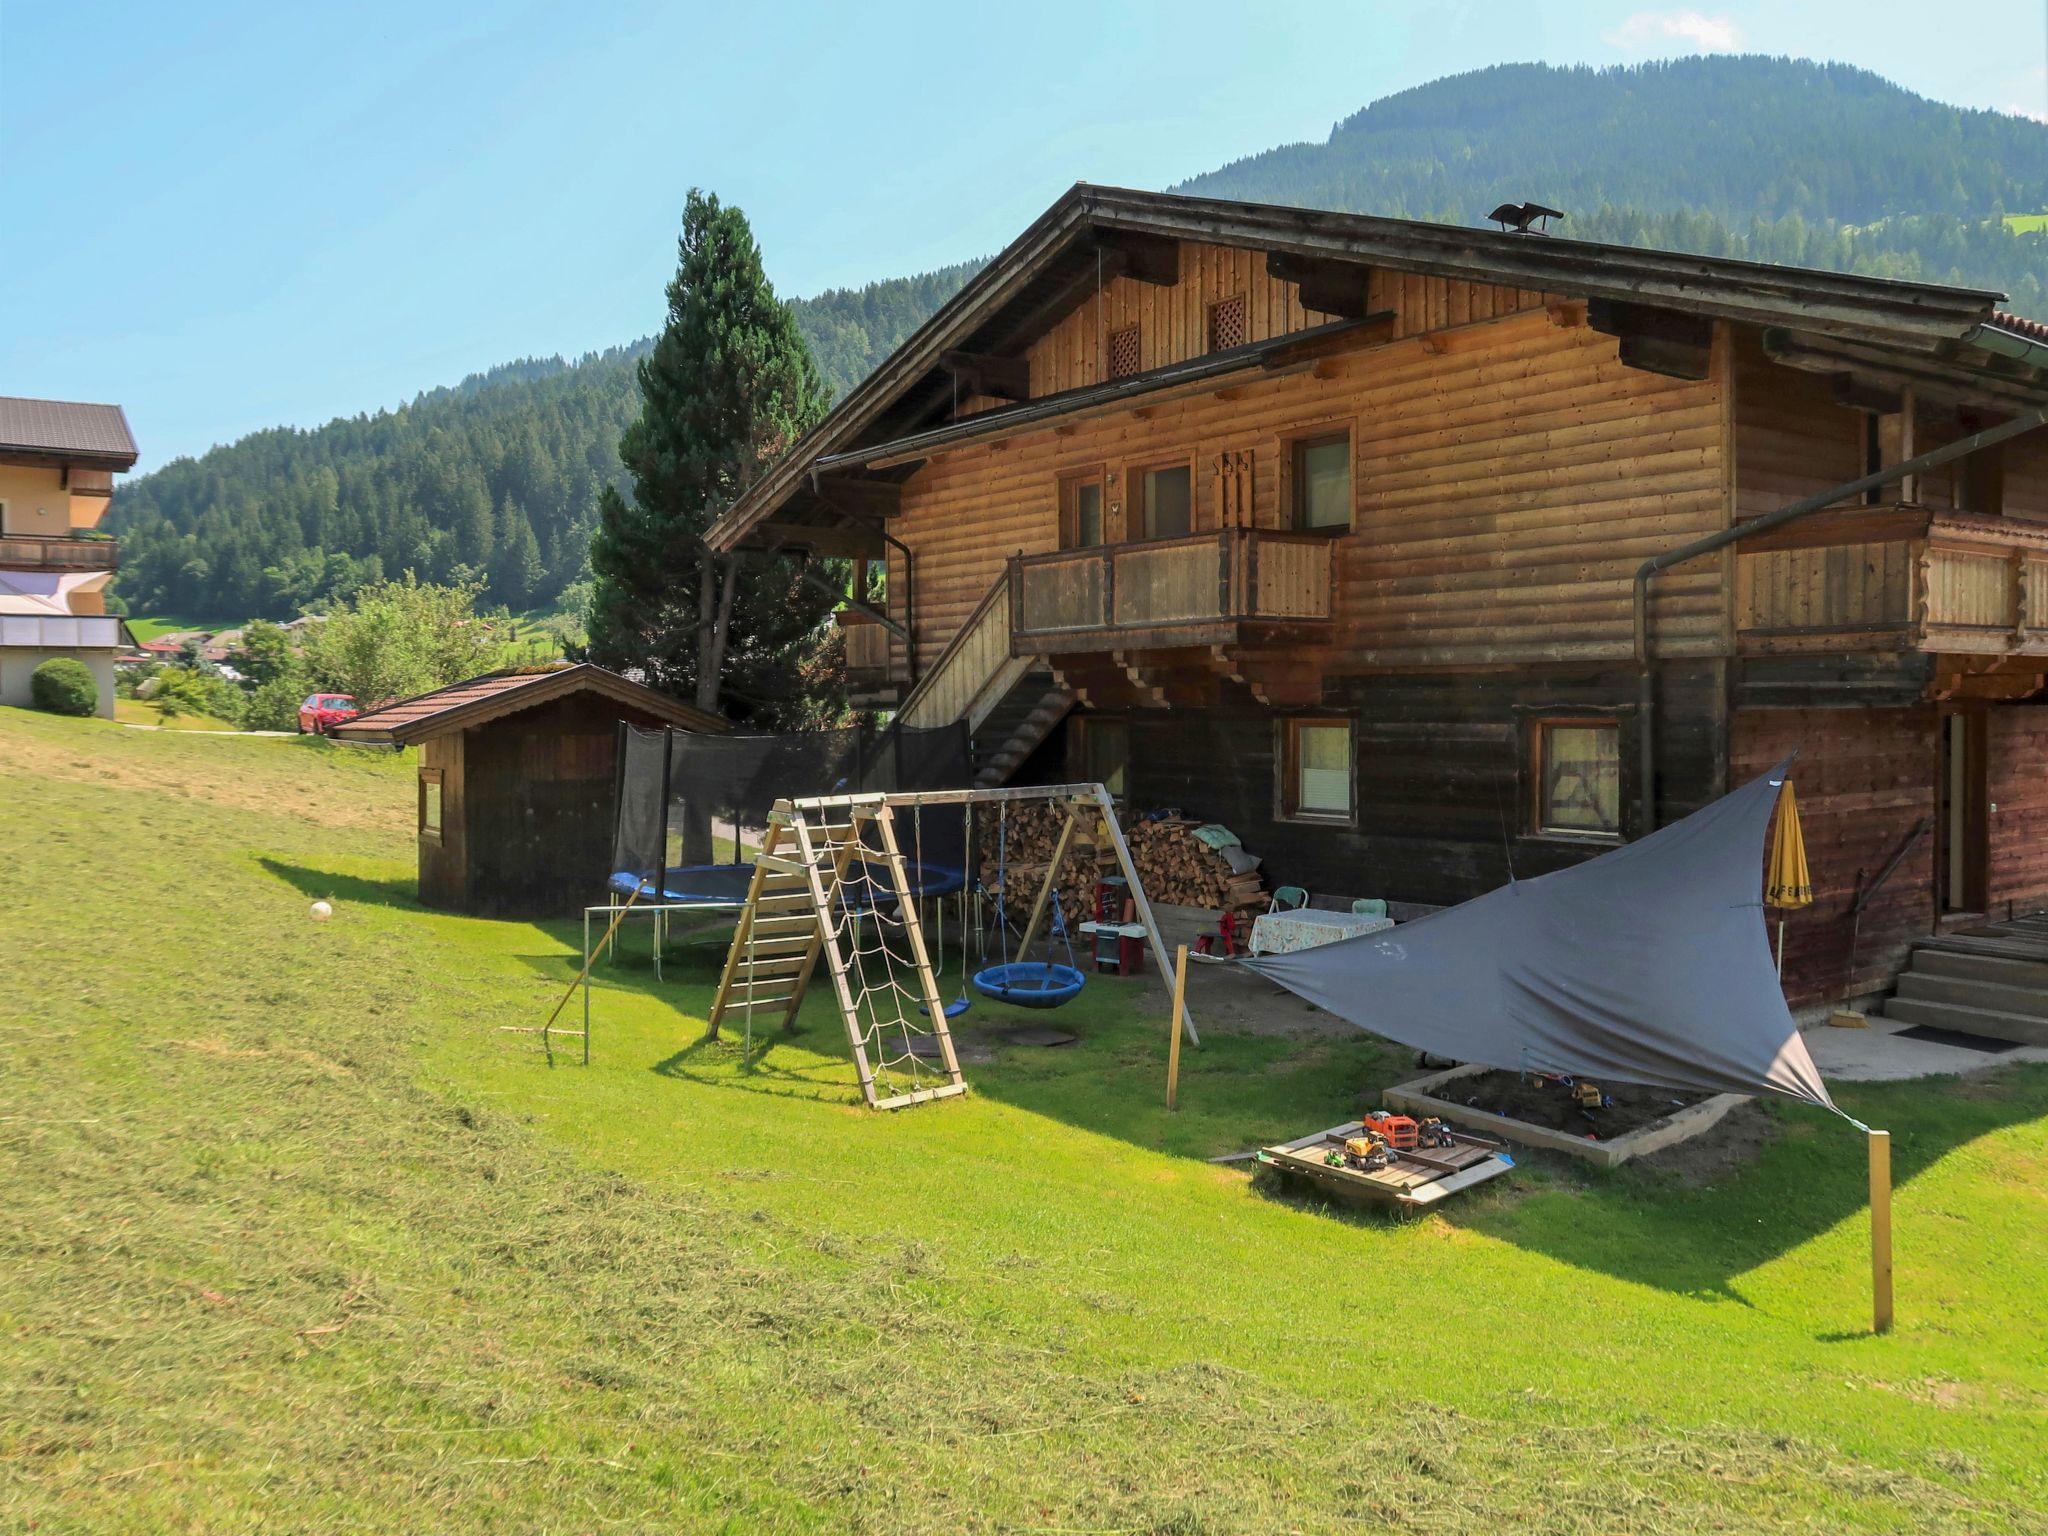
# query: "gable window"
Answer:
x=430 y=804
x=1123 y=352
x=1322 y=482
x=1226 y=323
x=1575 y=766
x=1167 y=495
x=1081 y=510
x=1313 y=765
x=1102 y=753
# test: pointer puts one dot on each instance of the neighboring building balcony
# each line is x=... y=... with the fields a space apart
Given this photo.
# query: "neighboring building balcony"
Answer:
x=43 y=552
x=55 y=633
x=1239 y=586
x=1896 y=578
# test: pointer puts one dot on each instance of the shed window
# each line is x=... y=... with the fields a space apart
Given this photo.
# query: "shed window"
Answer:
x=1123 y=352
x=1322 y=482
x=1314 y=764
x=430 y=803
x=1169 y=502
x=1577 y=772
x=1226 y=323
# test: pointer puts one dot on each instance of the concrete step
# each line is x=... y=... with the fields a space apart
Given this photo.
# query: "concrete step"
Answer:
x=1929 y=961
x=2022 y=1029
x=1971 y=993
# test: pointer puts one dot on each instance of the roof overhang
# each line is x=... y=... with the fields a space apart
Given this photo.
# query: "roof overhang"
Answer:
x=1093 y=234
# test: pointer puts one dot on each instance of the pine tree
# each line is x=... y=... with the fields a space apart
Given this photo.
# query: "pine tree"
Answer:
x=516 y=571
x=727 y=388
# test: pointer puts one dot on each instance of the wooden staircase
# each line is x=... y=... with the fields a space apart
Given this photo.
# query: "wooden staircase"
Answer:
x=1010 y=703
x=1990 y=980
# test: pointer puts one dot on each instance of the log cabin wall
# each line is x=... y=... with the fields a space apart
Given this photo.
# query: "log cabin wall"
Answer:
x=2016 y=754
x=1509 y=473
x=444 y=860
x=1865 y=780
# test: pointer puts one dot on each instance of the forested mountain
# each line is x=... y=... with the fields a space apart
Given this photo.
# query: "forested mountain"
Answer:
x=1772 y=159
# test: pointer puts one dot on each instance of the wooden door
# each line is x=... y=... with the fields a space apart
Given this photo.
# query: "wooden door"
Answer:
x=1960 y=813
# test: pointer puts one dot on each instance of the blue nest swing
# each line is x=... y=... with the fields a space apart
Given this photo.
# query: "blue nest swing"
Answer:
x=1030 y=983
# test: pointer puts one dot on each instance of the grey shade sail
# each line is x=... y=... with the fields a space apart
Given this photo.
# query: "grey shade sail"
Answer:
x=1650 y=964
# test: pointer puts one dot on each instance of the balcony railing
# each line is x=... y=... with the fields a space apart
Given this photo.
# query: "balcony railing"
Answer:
x=1166 y=591
x=45 y=552
x=84 y=631
x=1897 y=577
x=869 y=663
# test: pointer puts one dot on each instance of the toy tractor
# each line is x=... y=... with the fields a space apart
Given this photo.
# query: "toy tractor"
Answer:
x=1432 y=1132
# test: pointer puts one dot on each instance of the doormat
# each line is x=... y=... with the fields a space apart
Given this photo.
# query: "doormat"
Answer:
x=1935 y=1036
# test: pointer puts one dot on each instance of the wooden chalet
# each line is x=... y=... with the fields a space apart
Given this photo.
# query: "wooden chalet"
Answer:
x=517 y=779
x=1335 y=529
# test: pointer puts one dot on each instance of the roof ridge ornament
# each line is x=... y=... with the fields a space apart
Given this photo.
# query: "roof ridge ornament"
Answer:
x=1516 y=218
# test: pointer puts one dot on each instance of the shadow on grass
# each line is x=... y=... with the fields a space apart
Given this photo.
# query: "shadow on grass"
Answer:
x=1243 y=1090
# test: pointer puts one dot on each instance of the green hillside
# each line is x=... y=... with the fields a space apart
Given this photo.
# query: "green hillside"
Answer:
x=1771 y=159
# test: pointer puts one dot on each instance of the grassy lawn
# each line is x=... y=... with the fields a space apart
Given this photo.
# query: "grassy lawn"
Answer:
x=2026 y=223
x=142 y=712
x=296 y=1239
x=150 y=629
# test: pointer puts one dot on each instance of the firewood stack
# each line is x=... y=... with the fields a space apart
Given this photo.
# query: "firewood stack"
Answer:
x=1176 y=867
x=1179 y=869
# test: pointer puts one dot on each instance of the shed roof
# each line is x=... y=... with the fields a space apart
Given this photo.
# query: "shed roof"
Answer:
x=67 y=429
x=496 y=694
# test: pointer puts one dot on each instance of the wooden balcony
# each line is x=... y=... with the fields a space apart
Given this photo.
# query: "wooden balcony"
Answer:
x=39 y=552
x=1896 y=578
x=1234 y=587
x=871 y=668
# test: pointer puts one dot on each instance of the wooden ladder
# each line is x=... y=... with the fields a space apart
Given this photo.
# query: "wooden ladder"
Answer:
x=792 y=918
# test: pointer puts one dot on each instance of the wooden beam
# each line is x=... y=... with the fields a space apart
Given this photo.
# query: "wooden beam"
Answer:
x=1666 y=341
x=1328 y=287
x=857 y=495
x=985 y=373
x=834 y=541
x=1153 y=259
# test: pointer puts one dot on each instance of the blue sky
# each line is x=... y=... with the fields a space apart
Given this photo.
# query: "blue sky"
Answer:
x=231 y=216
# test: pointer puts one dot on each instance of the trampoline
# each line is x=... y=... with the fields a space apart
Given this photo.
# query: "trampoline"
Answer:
x=725 y=885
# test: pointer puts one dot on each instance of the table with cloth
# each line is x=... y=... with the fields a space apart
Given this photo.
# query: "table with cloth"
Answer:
x=1285 y=933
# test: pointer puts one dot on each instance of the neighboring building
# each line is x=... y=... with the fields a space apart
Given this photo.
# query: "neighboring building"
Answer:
x=517 y=782
x=1327 y=527
x=58 y=460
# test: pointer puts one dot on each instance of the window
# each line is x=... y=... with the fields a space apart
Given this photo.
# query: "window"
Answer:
x=1577 y=773
x=1103 y=753
x=1226 y=323
x=1081 y=510
x=1980 y=481
x=1123 y=352
x=1167 y=495
x=1322 y=482
x=430 y=803
x=1314 y=763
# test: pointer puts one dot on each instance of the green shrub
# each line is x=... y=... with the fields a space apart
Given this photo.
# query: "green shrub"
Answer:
x=197 y=691
x=63 y=686
x=275 y=705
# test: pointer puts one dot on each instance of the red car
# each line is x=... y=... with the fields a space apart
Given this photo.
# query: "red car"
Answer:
x=322 y=712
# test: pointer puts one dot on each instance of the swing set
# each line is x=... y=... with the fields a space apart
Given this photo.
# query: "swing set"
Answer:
x=832 y=883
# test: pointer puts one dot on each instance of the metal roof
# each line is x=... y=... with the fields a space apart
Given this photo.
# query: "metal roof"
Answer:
x=66 y=429
x=472 y=702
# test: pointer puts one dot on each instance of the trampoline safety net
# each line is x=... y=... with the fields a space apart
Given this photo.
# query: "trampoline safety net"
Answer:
x=693 y=809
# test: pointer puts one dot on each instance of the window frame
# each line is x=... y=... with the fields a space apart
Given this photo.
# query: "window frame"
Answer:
x=437 y=779
x=1534 y=749
x=1287 y=771
x=1109 y=340
x=1069 y=483
x=1134 y=498
x=1292 y=448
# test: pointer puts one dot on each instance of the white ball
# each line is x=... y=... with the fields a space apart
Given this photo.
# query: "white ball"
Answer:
x=322 y=911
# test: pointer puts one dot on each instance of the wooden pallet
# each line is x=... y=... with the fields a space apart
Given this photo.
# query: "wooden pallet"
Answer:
x=1412 y=1179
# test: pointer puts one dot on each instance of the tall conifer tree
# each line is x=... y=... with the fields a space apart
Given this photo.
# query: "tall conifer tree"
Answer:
x=728 y=387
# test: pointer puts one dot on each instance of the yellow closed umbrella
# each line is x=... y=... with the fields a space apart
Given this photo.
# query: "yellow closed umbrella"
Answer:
x=1787 y=886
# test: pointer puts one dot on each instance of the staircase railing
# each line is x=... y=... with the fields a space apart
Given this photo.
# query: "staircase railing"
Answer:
x=962 y=682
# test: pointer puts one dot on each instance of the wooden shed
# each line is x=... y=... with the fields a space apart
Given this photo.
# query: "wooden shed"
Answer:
x=516 y=782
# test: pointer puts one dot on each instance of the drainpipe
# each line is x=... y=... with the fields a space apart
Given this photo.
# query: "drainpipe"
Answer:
x=1805 y=507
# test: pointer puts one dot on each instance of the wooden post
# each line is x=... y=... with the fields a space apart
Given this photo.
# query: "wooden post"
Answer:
x=1048 y=891
x=1880 y=1231
x=1180 y=999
